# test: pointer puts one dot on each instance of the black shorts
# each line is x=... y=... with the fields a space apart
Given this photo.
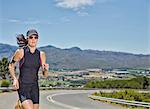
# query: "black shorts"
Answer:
x=29 y=92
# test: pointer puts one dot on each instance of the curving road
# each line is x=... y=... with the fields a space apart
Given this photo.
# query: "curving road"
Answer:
x=60 y=99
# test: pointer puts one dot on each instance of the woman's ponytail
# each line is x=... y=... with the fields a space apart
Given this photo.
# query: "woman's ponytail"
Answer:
x=21 y=40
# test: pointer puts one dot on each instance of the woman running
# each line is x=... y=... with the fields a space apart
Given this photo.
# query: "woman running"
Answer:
x=30 y=60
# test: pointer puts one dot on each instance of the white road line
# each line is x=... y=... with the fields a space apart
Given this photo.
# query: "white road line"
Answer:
x=50 y=99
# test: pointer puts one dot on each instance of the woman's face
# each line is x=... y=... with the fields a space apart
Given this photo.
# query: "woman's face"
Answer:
x=32 y=40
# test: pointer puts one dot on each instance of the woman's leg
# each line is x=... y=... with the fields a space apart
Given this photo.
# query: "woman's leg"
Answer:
x=35 y=106
x=35 y=96
x=27 y=104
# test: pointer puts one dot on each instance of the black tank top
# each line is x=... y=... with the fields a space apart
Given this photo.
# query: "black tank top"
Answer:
x=29 y=66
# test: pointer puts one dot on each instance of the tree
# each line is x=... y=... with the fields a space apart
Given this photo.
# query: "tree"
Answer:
x=4 y=70
x=145 y=82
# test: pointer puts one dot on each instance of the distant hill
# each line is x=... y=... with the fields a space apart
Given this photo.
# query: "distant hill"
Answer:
x=76 y=58
x=6 y=50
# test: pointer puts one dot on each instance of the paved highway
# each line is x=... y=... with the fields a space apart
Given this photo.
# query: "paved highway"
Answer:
x=59 y=99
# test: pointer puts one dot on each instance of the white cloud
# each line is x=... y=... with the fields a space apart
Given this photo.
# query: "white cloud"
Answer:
x=28 y=21
x=14 y=20
x=82 y=13
x=74 y=4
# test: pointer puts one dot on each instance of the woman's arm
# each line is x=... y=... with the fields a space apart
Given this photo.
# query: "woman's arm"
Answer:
x=15 y=58
x=45 y=66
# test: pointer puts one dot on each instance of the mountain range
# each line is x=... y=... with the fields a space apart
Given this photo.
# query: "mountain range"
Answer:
x=76 y=58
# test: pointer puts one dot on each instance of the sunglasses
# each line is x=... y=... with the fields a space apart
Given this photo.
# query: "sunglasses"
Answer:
x=31 y=37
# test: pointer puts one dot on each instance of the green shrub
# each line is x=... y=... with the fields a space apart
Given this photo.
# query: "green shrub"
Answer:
x=134 y=83
x=132 y=95
x=5 y=83
x=146 y=100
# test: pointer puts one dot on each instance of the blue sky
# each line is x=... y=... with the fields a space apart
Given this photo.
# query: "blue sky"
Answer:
x=114 y=25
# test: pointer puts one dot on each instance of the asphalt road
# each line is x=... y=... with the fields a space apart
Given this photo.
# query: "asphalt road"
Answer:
x=59 y=99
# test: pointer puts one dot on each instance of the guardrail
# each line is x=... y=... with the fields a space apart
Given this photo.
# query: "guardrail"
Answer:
x=121 y=101
x=63 y=88
x=6 y=88
x=50 y=88
x=11 y=88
